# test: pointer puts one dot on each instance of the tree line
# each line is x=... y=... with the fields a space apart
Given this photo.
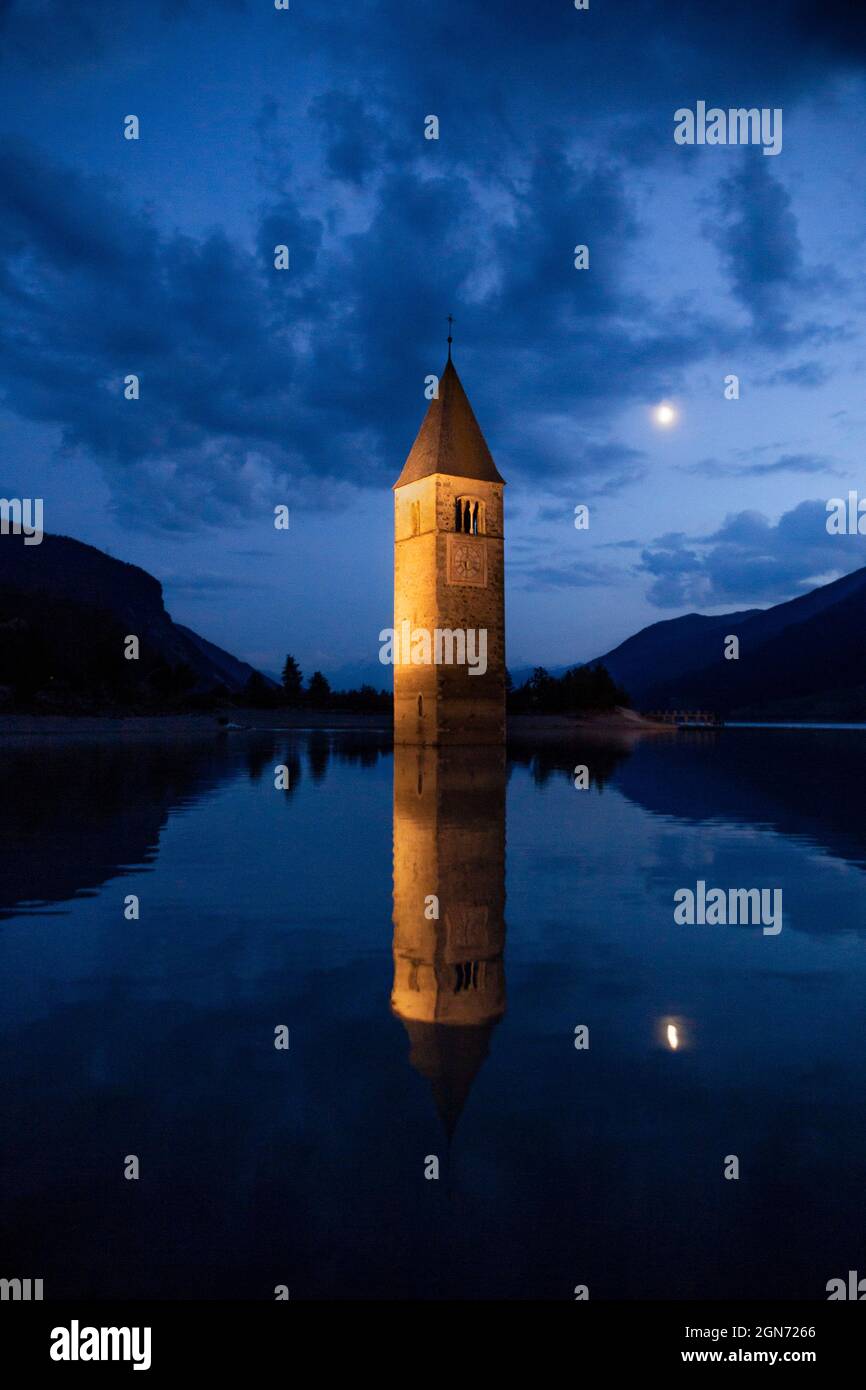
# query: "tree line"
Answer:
x=316 y=694
x=581 y=688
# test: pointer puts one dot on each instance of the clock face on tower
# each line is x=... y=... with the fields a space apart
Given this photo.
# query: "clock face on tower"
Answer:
x=466 y=564
x=467 y=561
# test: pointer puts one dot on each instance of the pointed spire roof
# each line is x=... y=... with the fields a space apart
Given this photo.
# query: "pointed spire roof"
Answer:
x=450 y=438
x=450 y=1056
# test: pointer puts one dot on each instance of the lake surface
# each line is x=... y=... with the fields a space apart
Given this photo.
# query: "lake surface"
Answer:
x=413 y=1037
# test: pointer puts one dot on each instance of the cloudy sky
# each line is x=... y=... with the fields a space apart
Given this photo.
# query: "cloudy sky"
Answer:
x=305 y=387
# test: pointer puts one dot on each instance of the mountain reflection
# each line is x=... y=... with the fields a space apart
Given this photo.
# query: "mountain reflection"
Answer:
x=802 y=784
x=78 y=812
x=805 y=785
x=265 y=907
x=449 y=906
x=74 y=814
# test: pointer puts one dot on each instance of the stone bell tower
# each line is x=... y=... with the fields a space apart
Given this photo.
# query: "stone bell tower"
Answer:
x=449 y=579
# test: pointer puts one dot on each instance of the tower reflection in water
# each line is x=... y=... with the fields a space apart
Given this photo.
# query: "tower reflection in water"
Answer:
x=449 y=859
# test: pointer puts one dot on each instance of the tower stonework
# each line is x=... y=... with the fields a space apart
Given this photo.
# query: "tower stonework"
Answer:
x=449 y=959
x=449 y=577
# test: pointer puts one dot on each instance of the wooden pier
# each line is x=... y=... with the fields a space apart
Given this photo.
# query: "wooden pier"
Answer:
x=686 y=718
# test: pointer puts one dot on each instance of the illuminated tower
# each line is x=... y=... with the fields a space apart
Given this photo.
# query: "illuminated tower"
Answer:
x=449 y=913
x=449 y=577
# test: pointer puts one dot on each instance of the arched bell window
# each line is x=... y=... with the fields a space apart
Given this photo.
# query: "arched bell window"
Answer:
x=469 y=516
x=466 y=976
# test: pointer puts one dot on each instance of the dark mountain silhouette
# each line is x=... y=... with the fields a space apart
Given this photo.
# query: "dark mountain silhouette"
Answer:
x=804 y=659
x=66 y=609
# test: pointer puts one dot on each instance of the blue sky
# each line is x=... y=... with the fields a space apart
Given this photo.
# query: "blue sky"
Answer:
x=305 y=387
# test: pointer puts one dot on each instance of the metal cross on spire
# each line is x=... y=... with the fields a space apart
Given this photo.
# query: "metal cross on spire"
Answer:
x=450 y=339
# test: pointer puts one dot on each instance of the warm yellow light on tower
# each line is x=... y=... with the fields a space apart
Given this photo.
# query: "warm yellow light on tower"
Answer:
x=665 y=415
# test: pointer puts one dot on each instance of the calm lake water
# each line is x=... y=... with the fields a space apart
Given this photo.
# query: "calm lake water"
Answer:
x=412 y=1037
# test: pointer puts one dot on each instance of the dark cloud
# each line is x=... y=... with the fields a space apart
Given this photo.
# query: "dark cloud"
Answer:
x=749 y=559
x=756 y=234
x=91 y=292
x=257 y=384
x=357 y=142
x=570 y=574
x=753 y=226
x=252 y=378
x=808 y=374
x=594 y=470
x=785 y=463
x=48 y=34
x=632 y=64
x=837 y=26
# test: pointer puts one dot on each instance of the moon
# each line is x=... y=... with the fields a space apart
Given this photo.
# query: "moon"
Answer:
x=665 y=414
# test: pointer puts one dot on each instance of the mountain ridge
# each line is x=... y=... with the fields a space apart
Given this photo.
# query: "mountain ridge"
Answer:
x=799 y=658
x=66 y=609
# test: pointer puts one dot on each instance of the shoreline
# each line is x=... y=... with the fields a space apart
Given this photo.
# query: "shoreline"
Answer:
x=186 y=725
x=618 y=724
x=195 y=725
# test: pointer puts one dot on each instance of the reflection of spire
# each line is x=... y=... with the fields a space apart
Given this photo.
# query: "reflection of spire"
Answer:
x=449 y=855
x=449 y=1056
